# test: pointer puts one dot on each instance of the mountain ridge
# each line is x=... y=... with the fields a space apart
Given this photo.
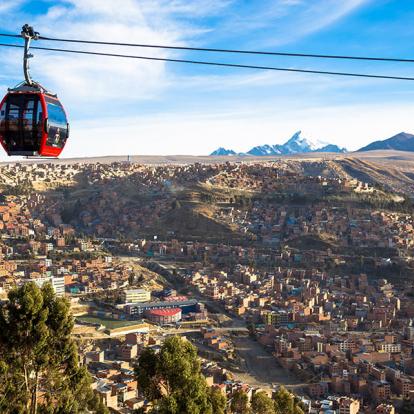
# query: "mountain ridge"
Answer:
x=402 y=141
x=294 y=145
x=223 y=151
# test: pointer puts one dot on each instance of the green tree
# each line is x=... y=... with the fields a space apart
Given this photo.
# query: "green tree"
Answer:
x=217 y=400
x=240 y=403
x=148 y=375
x=97 y=405
x=38 y=357
x=285 y=403
x=262 y=403
x=172 y=379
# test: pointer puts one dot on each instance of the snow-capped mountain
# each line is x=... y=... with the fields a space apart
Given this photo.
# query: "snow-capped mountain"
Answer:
x=223 y=151
x=265 y=150
x=298 y=144
x=295 y=145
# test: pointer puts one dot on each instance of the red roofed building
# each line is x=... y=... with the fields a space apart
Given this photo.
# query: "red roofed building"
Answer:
x=164 y=316
x=175 y=298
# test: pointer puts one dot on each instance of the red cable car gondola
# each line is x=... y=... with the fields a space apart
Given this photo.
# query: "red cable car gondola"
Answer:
x=32 y=120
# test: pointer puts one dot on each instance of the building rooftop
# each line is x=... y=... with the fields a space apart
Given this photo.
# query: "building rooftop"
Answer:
x=164 y=312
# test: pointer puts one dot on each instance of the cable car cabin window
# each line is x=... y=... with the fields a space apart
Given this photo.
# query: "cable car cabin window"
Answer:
x=28 y=126
x=58 y=126
x=2 y=118
x=20 y=127
x=39 y=121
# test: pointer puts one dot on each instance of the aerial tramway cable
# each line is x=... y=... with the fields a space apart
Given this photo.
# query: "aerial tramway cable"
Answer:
x=217 y=50
x=33 y=122
x=222 y=64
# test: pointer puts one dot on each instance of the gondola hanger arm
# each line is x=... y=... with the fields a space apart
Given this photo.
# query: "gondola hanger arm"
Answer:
x=28 y=34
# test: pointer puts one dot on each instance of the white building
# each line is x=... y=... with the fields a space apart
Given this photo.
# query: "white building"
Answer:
x=58 y=283
x=386 y=347
x=136 y=295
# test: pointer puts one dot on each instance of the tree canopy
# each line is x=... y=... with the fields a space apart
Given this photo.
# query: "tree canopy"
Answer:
x=262 y=403
x=173 y=381
x=39 y=368
x=218 y=401
x=285 y=402
x=240 y=403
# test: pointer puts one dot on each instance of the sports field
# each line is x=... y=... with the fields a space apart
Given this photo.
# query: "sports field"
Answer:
x=108 y=323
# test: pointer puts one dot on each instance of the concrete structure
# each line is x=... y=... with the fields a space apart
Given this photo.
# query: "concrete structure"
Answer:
x=58 y=283
x=136 y=295
x=385 y=409
x=138 y=309
x=127 y=352
x=381 y=390
x=277 y=318
x=164 y=316
x=125 y=330
x=348 y=406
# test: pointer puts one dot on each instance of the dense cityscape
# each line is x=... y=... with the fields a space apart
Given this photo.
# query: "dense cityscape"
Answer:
x=284 y=274
x=206 y=207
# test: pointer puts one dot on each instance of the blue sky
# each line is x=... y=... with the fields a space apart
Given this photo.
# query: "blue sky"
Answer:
x=135 y=107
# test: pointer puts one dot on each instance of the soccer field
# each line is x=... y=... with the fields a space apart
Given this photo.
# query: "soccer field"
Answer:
x=108 y=323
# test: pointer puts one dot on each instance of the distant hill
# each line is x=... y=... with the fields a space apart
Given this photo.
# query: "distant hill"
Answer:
x=331 y=148
x=400 y=142
x=295 y=145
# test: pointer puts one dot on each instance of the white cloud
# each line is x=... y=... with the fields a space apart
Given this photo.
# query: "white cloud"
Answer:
x=100 y=78
x=100 y=82
x=324 y=13
x=97 y=80
x=8 y=5
x=189 y=9
x=260 y=79
x=280 y=22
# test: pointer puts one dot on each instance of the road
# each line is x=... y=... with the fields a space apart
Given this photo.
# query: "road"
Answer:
x=261 y=369
x=258 y=367
x=222 y=330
